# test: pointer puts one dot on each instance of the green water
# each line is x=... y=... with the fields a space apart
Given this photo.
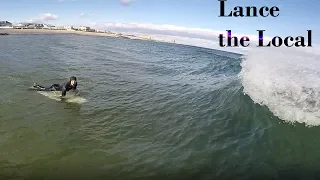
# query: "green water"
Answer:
x=153 y=111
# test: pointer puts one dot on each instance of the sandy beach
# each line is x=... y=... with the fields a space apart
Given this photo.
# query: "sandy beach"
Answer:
x=48 y=31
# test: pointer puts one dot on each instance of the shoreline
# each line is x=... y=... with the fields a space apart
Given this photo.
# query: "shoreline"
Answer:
x=50 y=31
x=11 y=31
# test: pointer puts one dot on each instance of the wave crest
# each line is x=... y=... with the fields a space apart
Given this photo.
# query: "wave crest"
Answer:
x=286 y=80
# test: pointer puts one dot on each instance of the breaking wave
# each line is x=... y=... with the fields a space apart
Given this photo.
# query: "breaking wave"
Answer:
x=286 y=80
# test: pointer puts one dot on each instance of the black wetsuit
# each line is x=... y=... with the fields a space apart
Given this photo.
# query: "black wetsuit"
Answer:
x=64 y=87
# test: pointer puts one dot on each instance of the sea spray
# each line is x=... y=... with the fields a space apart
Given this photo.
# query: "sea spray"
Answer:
x=286 y=80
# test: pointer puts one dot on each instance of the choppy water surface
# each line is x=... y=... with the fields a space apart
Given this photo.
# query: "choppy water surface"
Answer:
x=153 y=111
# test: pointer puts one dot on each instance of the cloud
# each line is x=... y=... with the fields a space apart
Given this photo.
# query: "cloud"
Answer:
x=126 y=2
x=188 y=35
x=60 y=0
x=43 y=18
x=93 y=24
x=183 y=35
x=31 y=21
x=167 y=29
x=48 y=17
x=82 y=14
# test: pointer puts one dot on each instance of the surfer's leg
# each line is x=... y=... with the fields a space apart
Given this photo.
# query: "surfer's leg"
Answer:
x=55 y=87
x=38 y=87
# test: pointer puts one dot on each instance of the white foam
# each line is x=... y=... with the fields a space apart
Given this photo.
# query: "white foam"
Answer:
x=70 y=97
x=286 y=80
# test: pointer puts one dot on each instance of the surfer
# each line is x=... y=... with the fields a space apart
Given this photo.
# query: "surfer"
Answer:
x=67 y=86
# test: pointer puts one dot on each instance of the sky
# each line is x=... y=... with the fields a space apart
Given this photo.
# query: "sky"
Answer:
x=188 y=18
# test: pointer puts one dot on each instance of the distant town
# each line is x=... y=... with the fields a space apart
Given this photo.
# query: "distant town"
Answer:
x=9 y=25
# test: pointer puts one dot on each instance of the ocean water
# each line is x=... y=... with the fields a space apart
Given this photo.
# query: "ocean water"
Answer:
x=156 y=111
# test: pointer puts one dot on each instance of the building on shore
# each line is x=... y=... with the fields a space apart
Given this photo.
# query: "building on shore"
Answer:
x=84 y=28
x=19 y=26
x=92 y=30
x=59 y=28
x=70 y=28
x=48 y=26
x=110 y=32
x=143 y=36
x=6 y=24
x=39 y=26
x=27 y=26
x=31 y=25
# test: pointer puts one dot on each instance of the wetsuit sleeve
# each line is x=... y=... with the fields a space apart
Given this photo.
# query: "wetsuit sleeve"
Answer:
x=64 y=89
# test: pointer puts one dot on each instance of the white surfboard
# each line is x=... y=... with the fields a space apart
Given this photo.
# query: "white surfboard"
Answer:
x=70 y=97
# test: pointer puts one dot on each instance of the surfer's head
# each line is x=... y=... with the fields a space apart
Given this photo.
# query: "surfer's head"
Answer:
x=73 y=80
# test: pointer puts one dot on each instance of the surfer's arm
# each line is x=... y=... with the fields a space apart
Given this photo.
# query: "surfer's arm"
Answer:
x=64 y=89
